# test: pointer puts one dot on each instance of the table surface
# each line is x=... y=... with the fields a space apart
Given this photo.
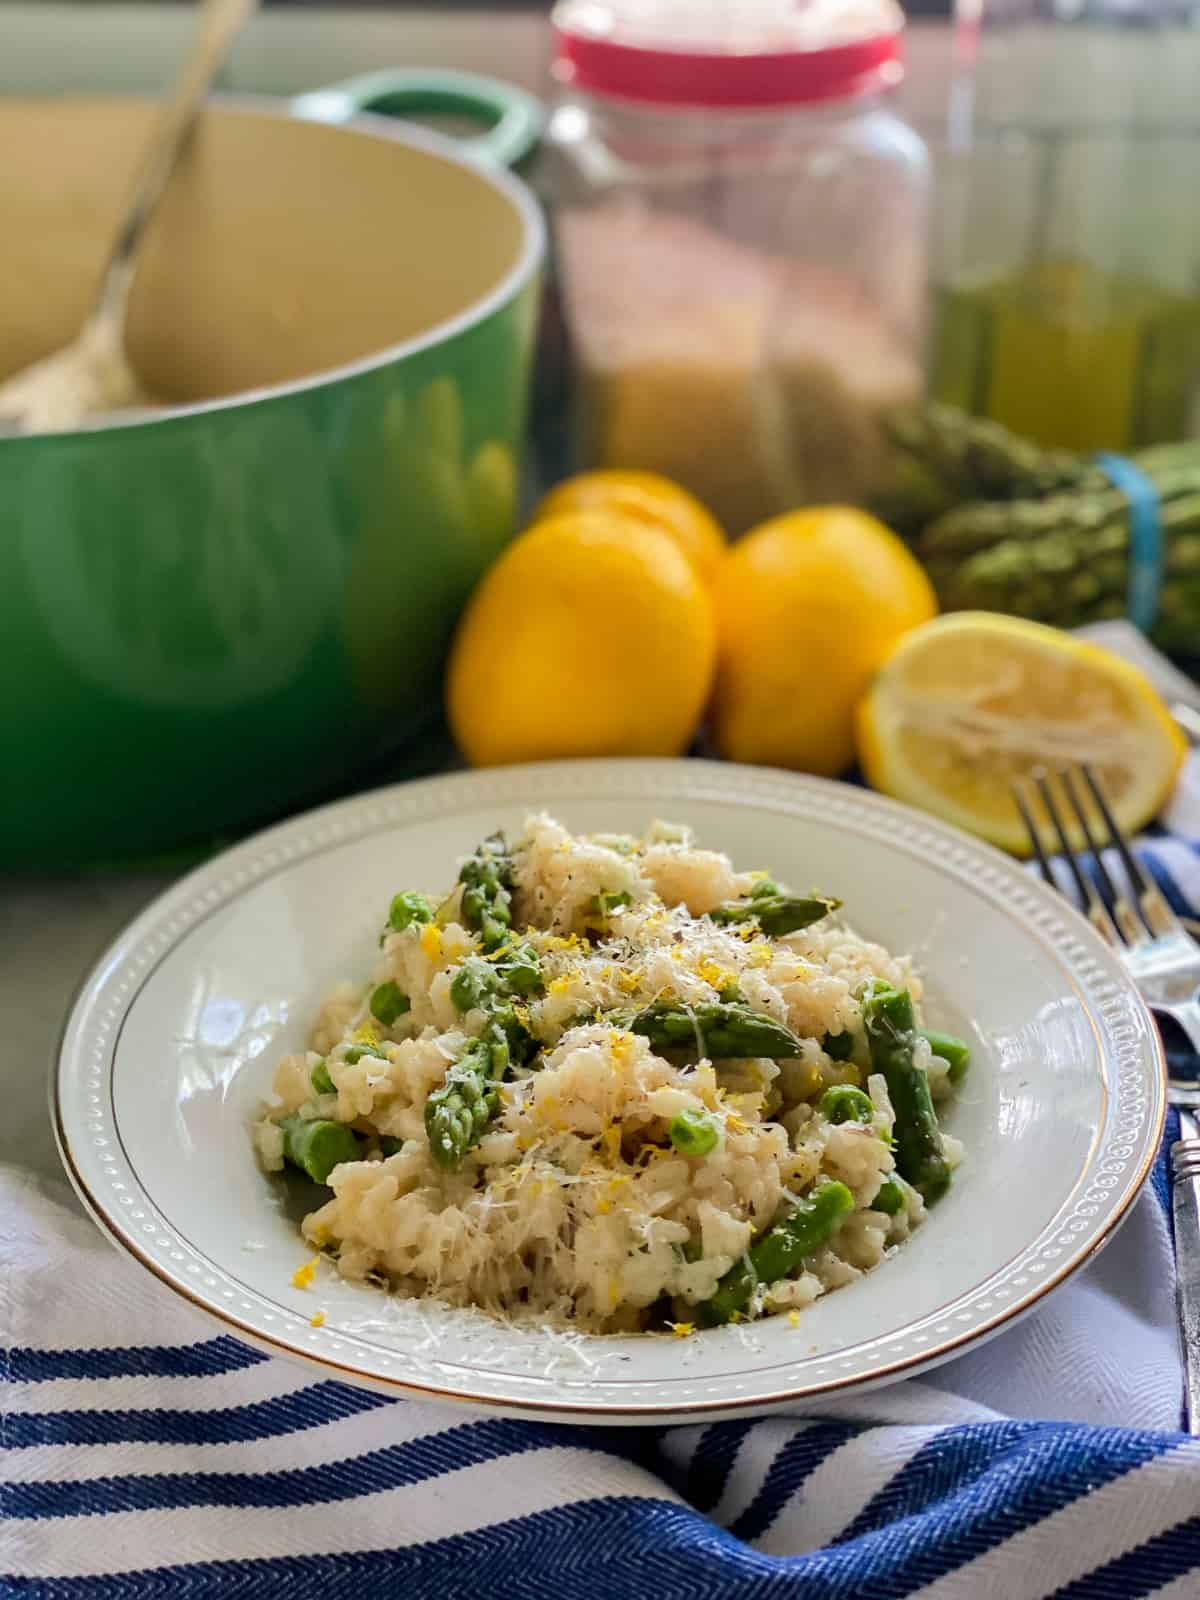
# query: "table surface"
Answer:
x=53 y=929
x=51 y=932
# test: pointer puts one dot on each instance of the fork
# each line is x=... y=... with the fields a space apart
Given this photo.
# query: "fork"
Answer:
x=1164 y=961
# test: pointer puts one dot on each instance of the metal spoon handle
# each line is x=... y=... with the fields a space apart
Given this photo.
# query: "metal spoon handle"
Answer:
x=218 y=25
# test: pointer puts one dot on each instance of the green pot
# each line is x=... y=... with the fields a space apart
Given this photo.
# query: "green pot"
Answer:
x=215 y=613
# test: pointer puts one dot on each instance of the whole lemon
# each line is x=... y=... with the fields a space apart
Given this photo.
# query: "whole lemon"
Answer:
x=591 y=636
x=808 y=606
x=649 y=498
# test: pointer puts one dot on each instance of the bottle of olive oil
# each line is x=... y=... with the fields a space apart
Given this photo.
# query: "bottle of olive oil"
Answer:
x=1067 y=259
x=1069 y=355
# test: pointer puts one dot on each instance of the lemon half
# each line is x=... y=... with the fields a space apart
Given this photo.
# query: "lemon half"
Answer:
x=970 y=702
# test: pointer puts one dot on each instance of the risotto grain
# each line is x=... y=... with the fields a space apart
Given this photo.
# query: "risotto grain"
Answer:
x=615 y=1083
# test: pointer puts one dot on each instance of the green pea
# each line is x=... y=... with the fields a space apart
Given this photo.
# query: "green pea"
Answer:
x=890 y=1198
x=693 y=1133
x=838 y=1046
x=763 y=888
x=388 y=1002
x=521 y=973
x=607 y=901
x=321 y=1081
x=408 y=908
x=355 y=1055
x=845 y=1103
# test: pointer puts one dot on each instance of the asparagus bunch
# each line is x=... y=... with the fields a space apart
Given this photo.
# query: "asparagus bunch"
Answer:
x=1065 y=559
x=1003 y=525
x=940 y=457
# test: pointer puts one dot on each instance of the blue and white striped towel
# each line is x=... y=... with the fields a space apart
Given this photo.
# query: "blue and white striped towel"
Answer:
x=143 y=1455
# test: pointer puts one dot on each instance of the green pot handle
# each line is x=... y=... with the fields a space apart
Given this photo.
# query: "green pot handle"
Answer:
x=512 y=118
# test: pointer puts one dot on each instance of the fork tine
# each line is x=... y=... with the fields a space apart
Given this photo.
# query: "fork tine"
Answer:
x=1035 y=837
x=1155 y=912
x=1122 y=912
x=1092 y=905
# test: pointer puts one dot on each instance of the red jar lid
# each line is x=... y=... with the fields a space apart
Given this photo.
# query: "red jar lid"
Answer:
x=751 y=54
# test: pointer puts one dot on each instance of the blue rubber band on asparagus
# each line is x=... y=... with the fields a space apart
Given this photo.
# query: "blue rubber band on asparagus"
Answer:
x=1146 y=546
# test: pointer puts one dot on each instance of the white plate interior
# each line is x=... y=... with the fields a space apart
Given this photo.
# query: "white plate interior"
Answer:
x=172 y=1044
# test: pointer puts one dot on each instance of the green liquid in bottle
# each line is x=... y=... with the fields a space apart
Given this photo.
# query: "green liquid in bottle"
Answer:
x=1069 y=356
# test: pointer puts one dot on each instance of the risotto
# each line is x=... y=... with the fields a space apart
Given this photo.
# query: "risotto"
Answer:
x=615 y=1083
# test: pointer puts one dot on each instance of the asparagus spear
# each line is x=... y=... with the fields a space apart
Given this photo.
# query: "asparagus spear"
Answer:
x=457 y=1113
x=809 y=1225
x=716 y=1029
x=318 y=1146
x=477 y=981
x=487 y=879
x=777 y=913
x=891 y=1034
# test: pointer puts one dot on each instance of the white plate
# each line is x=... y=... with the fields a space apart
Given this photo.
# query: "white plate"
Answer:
x=172 y=1041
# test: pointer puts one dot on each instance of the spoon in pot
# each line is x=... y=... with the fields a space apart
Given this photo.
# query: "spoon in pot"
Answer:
x=92 y=374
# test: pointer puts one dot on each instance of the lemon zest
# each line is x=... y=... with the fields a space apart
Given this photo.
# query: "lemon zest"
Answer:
x=717 y=977
x=303 y=1276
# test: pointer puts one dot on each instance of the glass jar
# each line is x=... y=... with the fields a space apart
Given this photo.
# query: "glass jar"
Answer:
x=740 y=230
